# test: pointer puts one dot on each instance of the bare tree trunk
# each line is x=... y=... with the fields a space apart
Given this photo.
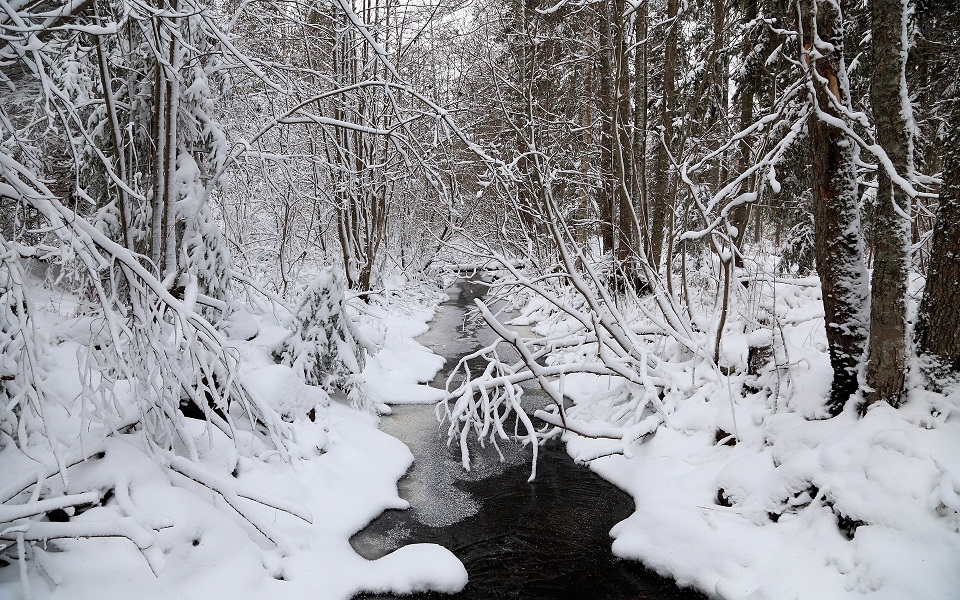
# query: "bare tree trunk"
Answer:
x=623 y=145
x=110 y=105
x=526 y=118
x=837 y=231
x=938 y=329
x=172 y=109
x=640 y=127
x=741 y=215
x=608 y=90
x=661 y=190
x=581 y=230
x=159 y=134
x=886 y=361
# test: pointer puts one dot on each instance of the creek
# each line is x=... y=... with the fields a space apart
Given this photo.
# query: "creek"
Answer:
x=543 y=540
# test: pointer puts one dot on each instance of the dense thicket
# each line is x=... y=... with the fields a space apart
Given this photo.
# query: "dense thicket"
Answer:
x=663 y=135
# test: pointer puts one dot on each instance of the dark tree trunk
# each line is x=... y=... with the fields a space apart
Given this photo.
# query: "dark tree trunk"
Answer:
x=623 y=145
x=640 y=126
x=741 y=216
x=524 y=116
x=616 y=159
x=837 y=232
x=938 y=330
x=886 y=362
x=608 y=89
x=661 y=188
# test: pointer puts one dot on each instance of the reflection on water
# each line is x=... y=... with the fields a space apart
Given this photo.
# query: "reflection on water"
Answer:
x=548 y=539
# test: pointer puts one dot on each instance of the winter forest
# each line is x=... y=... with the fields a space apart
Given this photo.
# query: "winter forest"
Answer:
x=537 y=299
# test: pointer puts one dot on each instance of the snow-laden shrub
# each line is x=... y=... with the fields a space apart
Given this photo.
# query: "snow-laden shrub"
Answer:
x=204 y=249
x=798 y=248
x=20 y=376
x=322 y=348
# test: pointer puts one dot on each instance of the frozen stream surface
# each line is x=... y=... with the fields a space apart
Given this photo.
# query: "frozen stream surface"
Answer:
x=548 y=539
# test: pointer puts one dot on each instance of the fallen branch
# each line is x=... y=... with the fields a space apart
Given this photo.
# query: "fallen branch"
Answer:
x=228 y=492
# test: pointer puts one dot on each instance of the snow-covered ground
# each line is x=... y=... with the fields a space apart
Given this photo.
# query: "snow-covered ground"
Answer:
x=749 y=491
x=298 y=514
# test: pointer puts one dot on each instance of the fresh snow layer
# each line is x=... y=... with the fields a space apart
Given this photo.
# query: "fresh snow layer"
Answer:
x=343 y=474
x=794 y=505
x=396 y=374
x=210 y=553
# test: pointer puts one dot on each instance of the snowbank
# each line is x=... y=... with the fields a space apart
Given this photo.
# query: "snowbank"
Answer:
x=398 y=372
x=748 y=491
x=273 y=529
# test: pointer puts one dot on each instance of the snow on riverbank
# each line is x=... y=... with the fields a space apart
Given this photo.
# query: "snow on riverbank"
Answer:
x=748 y=491
x=343 y=473
x=398 y=372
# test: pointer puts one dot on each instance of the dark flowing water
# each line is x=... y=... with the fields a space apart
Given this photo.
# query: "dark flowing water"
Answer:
x=548 y=539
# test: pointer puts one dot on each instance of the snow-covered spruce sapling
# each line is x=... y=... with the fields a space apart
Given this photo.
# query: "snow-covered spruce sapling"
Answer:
x=322 y=348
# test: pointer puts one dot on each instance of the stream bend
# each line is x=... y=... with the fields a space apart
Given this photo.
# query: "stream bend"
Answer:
x=545 y=540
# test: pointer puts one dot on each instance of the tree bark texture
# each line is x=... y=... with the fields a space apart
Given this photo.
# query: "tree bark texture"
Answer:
x=661 y=190
x=607 y=104
x=886 y=361
x=751 y=76
x=938 y=330
x=621 y=144
x=640 y=127
x=838 y=237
